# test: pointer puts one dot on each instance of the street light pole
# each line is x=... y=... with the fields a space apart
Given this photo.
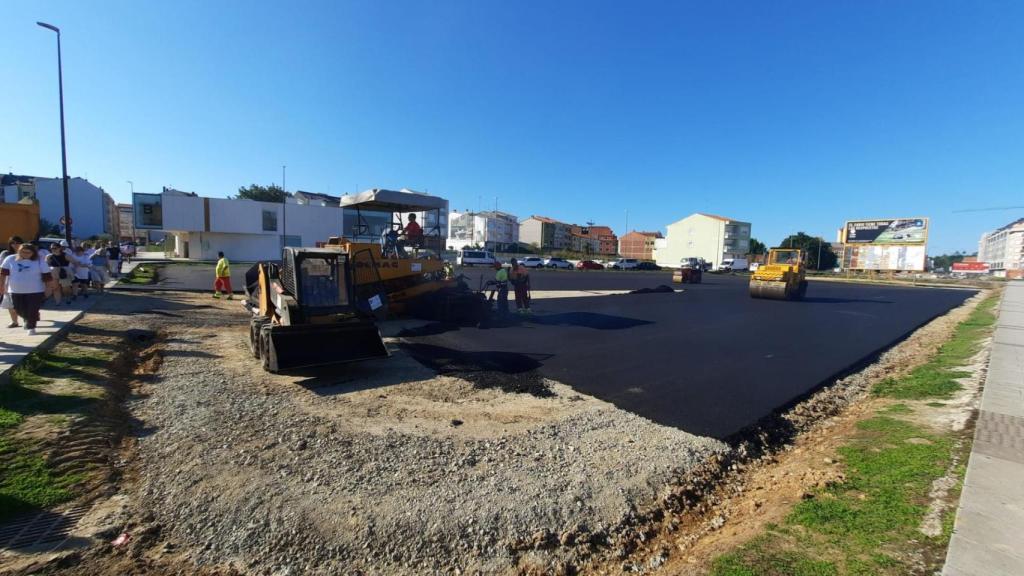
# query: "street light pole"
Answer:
x=63 y=144
x=132 y=184
x=284 y=207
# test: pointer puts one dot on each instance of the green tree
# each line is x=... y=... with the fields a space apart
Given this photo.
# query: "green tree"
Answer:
x=272 y=193
x=811 y=244
x=47 y=228
x=757 y=247
x=944 y=261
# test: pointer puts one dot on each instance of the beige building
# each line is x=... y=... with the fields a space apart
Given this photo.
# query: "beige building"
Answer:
x=713 y=238
x=1003 y=250
x=546 y=233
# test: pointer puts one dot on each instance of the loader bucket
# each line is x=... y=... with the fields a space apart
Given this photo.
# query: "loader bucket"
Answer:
x=769 y=290
x=285 y=348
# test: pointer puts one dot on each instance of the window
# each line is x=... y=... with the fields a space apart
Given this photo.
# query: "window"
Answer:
x=270 y=220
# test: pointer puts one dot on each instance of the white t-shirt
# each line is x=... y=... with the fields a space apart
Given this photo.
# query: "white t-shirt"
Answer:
x=81 y=264
x=25 y=276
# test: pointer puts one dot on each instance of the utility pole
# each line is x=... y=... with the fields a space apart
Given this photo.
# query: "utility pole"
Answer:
x=284 y=207
x=63 y=142
x=818 y=266
x=626 y=231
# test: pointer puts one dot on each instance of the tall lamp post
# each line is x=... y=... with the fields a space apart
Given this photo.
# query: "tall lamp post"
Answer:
x=284 y=206
x=63 y=144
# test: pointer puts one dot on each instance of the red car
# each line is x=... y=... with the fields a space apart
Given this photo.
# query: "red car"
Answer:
x=589 y=265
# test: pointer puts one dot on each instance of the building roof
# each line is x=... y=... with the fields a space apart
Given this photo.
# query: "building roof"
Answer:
x=545 y=219
x=717 y=217
x=648 y=234
x=1013 y=224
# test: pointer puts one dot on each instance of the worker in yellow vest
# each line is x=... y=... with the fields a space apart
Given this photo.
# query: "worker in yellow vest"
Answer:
x=223 y=281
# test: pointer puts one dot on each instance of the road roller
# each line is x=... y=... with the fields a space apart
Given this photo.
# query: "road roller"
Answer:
x=782 y=277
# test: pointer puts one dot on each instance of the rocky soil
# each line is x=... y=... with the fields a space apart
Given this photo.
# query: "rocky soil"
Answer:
x=380 y=467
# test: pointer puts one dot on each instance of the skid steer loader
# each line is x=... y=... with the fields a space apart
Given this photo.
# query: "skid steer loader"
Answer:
x=782 y=277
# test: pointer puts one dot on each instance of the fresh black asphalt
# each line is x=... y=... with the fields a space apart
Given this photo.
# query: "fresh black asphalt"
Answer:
x=710 y=360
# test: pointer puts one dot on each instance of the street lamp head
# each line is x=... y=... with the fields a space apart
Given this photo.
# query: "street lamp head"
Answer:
x=49 y=27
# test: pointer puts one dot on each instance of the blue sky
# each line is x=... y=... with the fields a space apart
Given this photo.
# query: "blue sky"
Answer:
x=794 y=115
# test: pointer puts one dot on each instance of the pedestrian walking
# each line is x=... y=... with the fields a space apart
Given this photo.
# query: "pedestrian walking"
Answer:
x=98 y=270
x=6 y=301
x=60 y=266
x=81 y=265
x=27 y=276
x=222 y=282
x=114 y=259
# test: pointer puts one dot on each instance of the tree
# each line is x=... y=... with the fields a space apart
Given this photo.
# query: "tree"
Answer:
x=47 y=228
x=945 y=261
x=757 y=247
x=272 y=193
x=810 y=245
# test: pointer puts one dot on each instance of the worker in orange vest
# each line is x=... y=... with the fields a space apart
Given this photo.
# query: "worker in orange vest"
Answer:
x=519 y=276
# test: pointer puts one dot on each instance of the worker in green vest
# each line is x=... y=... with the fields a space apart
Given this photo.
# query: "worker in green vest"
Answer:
x=223 y=281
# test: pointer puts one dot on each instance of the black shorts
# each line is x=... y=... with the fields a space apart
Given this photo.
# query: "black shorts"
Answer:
x=81 y=281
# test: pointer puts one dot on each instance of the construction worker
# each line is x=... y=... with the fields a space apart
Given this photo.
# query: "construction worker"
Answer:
x=413 y=232
x=519 y=275
x=223 y=273
x=501 y=278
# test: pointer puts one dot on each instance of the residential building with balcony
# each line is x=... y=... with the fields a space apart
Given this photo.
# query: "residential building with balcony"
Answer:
x=492 y=230
x=1003 y=250
x=546 y=233
x=639 y=245
x=713 y=238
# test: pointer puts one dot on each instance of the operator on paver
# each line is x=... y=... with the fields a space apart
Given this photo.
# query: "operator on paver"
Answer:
x=223 y=280
x=413 y=232
x=519 y=275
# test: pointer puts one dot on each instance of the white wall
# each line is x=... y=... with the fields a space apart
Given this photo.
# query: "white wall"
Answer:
x=182 y=213
x=86 y=204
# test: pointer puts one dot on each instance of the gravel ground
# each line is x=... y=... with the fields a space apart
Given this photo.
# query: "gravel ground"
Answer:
x=380 y=467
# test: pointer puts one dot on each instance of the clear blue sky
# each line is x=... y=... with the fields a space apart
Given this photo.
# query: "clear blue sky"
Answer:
x=794 y=115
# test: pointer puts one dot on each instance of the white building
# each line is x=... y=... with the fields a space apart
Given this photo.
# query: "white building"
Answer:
x=245 y=230
x=1003 y=250
x=713 y=238
x=491 y=229
x=93 y=211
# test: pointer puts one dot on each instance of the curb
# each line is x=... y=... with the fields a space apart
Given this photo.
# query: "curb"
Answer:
x=49 y=342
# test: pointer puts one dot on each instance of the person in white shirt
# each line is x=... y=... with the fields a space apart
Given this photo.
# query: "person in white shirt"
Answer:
x=82 y=266
x=6 y=301
x=27 y=276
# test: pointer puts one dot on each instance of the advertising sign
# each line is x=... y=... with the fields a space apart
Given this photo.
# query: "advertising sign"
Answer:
x=149 y=214
x=890 y=258
x=888 y=231
x=970 y=267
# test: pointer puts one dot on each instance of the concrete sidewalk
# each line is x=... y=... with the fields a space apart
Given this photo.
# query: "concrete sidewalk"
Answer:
x=987 y=537
x=15 y=343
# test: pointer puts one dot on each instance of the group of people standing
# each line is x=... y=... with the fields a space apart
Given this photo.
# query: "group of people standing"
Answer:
x=29 y=274
x=518 y=276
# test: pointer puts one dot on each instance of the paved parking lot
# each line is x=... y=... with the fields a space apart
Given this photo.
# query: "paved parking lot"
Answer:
x=709 y=360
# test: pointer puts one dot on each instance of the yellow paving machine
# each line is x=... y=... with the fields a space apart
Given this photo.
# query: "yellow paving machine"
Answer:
x=782 y=277
x=321 y=305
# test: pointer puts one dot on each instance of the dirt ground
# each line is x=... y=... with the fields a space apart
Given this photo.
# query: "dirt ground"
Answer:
x=382 y=467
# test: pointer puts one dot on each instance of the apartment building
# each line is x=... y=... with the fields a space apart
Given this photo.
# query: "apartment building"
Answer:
x=93 y=211
x=546 y=233
x=601 y=239
x=639 y=245
x=491 y=229
x=708 y=236
x=1003 y=250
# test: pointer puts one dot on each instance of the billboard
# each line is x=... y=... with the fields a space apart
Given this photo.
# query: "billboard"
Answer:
x=970 y=267
x=888 y=231
x=881 y=257
x=148 y=211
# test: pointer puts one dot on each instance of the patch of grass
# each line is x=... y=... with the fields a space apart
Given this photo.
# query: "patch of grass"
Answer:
x=936 y=404
x=26 y=482
x=766 y=556
x=938 y=377
x=898 y=409
x=142 y=274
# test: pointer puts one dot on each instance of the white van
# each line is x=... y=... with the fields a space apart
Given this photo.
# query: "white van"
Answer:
x=475 y=258
x=734 y=264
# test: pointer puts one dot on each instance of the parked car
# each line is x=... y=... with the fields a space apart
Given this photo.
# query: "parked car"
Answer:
x=532 y=262
x=589 y=265
x=647 y=266
x=475 y=258
x=625 y=264
x=558 y=263
x=734 y=265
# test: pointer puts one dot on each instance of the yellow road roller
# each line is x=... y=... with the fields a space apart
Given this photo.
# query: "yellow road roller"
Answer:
x=782 y=277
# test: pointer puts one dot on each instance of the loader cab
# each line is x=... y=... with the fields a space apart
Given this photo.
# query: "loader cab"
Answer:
x=319 y=280
x=785 y=256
